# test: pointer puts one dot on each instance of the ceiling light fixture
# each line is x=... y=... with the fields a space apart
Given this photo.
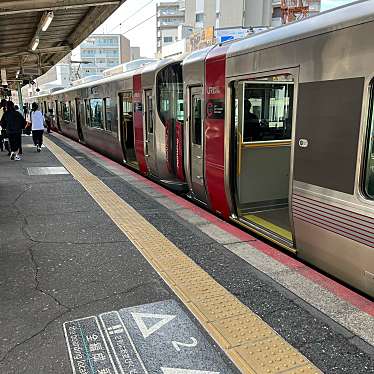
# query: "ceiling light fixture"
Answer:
x=47 y=19
x=35 y=43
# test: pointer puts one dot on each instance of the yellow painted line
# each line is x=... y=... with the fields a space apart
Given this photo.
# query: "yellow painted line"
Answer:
x=268 y=225
x=269 y=144
x=248 y=341
x=244 y=224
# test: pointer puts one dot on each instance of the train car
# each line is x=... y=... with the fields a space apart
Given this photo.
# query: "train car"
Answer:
x=273 y=132
x=299 y=139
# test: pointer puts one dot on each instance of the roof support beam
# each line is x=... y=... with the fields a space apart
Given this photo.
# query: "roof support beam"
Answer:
x=93 y=19
x=25 y=6
x=23 y=52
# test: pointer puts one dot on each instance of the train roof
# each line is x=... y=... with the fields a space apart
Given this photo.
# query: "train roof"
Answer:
x=113 y=78
x=152 y=67
x=345 y=16
x=342 y=17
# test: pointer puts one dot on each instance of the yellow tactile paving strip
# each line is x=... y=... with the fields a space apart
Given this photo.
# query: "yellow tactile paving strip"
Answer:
x=247 y=340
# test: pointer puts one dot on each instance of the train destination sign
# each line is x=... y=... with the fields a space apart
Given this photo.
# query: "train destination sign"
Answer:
x=150 y=338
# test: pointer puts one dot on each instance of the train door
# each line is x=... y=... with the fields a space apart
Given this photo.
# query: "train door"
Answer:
x=263 y=110
x=150 y=153
x=127 y=135
x=57 y=116
x=79 y=109
x=196 y=137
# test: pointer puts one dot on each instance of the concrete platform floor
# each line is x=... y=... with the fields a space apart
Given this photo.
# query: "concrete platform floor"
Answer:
x=62 y=258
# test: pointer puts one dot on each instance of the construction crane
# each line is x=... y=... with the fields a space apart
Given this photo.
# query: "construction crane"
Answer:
x=294 y=10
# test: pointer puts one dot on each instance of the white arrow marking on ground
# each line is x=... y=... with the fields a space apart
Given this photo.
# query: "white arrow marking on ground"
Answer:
x=147 y=331
x=186 y=371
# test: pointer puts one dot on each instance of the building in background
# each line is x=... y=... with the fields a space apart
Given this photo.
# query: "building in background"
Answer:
x=169 y=15
x=201 y=14
x=281 y=8
x=101 y=52
x=135 y=53
x=58 y=77
x=209 y=21
x=212 y=21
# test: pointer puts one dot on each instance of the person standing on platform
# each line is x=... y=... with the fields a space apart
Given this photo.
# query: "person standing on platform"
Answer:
x=48 y=120
x=14 y=124
x=16 y=107
x=37 y=126
x=3 y=135
x=2 y=132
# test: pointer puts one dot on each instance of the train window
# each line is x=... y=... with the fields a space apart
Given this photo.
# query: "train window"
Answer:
x=88 y=112
x=369 y=168
x=108 y=113
x=266 y=109
x=127 y=104
x=149 y=114
x=170 y=94
x=196 y=123
x=65 y=111
x=72 y=111
x=127 y=120
x=96 y=109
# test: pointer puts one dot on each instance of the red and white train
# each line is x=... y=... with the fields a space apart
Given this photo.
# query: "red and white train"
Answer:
x=274 y=132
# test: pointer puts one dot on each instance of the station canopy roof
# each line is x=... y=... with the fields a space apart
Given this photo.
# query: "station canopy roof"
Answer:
x=26 y=51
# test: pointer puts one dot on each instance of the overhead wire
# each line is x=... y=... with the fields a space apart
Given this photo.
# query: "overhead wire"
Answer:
x=132 y=15
x=139 y=24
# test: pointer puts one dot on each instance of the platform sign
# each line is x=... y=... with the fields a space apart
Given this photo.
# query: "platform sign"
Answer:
x=150 y=338
x=124 y=352
x=165 y=338
x=88 y=349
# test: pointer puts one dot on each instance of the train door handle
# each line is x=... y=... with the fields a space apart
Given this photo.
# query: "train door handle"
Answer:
x=147 y=155
x=200 y=177
x=199 y=157
x=303 y=143
x=147 y=141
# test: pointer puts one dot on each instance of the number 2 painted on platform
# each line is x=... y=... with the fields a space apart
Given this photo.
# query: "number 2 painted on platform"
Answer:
x=177 y=345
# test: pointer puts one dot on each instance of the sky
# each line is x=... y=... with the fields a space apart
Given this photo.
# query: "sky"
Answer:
x=131 y=14
x=329 y=4
x=136 y=20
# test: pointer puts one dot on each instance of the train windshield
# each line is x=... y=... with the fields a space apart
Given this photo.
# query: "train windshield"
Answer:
x=170 y=94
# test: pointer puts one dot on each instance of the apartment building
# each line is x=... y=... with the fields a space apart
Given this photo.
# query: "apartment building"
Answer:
x=223 y=14
x=169 y=16
x=101 y=52
x=227 y=14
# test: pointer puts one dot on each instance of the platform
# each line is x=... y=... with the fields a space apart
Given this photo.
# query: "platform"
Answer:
x=103 y=271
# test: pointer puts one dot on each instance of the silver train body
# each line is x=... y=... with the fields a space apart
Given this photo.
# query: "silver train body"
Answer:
x=297 y=176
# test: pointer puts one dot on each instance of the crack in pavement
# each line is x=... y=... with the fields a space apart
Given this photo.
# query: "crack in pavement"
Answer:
x=28 y=236
x=68 y=310
x=36 y=278
x=36 y=268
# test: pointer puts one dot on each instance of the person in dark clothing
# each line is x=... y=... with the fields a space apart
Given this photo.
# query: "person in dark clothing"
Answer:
x=48 y=120
x=16 y=107
x=14 y=123
x=251 y=123
x=3 y=135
